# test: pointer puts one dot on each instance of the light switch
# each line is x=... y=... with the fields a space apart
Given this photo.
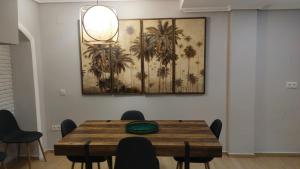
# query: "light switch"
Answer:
x=291 y=85
x=55 y=127
x=62 y=92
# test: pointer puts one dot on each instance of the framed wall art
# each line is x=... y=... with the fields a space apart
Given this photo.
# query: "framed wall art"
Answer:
x=152 y=56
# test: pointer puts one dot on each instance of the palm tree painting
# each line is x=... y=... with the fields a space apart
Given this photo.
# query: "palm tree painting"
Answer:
x=124 y=62
x=96 y=77
x=191 y=49
x=112 y=68
x=147 y=51
x=158 y=55
x=152 y=56
x=120 y=62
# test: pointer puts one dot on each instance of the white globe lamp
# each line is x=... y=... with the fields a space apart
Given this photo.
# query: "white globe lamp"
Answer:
x=101 y=24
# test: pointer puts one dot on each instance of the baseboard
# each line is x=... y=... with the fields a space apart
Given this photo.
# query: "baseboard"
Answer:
x=263 y=154
x=24 y=156
x=15 y=159
x=241 y=155
x=49 y=151
x=278 y=154
x=32 y=157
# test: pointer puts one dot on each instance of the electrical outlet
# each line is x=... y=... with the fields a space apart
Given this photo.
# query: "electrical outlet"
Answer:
x=291 y=85
x=55 y=127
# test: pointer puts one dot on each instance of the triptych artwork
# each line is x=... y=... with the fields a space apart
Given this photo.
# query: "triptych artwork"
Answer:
x=152 y=56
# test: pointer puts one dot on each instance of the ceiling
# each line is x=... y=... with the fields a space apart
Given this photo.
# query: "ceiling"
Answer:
x=213 y=5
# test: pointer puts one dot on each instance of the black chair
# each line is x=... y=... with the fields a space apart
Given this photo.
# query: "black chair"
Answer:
x=2 y=158
x=10 y=133
x=67 y=126
x=133 y=115
x=136 y=153
x=216 y=128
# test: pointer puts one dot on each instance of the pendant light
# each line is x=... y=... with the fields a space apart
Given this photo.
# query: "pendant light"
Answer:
x=101 y=24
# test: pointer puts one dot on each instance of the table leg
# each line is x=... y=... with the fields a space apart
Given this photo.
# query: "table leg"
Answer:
x=88 y=161
x=73 y=165
x=88 y=165
x=207 y=166
x=180 y=165
x=109 y=162
x=187 y=156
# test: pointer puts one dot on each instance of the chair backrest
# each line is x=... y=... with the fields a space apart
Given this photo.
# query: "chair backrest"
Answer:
x=133 y=115
x=8 y=123
x=216 y=127
x=136 y=153
x=67 y=126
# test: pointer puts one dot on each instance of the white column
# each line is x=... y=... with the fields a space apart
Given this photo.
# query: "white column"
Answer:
x=241 y=89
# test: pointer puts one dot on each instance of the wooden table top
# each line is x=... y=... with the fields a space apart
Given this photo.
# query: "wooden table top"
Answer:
x=169 y=141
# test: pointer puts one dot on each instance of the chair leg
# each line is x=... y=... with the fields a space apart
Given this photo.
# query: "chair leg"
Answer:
x=180 y=165
x=19 y=149
x=28 y=155
x=6 y=148
x=109 y=162
x=73 y=165
x=3 y=165
x=42 y=150
x=207 y=166
x=82 y=165
x=98 y=165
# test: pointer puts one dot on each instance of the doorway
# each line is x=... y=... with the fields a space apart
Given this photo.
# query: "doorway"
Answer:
x=23 y=86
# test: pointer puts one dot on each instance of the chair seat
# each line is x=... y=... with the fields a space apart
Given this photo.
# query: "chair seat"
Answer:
x=195 y=159
x=80 y=159
x=22 y=137
x=2 y=156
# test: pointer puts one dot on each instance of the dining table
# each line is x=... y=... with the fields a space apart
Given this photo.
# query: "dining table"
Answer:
x=183 y=138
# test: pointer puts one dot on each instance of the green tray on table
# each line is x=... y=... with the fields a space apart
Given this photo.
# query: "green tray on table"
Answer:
x=142 y=127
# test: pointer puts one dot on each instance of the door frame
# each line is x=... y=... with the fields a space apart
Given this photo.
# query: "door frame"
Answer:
x=31 y=39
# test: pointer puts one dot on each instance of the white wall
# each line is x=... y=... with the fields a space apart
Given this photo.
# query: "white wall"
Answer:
x=242 y=82
x=28 y=15
x=9 y=22
x=62 y=70
x=277 y=108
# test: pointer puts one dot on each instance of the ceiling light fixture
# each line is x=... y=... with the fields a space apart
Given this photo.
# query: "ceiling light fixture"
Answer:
x=101 y=24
